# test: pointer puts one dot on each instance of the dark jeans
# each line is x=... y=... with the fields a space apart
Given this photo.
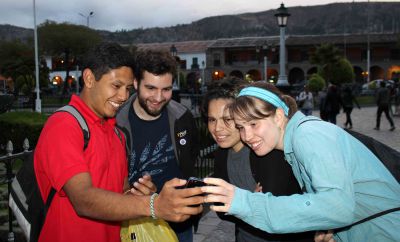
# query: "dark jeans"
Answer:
x=348 y=111
x=385 y=109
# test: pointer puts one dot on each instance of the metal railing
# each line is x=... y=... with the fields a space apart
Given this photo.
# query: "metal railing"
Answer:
x=9 y=160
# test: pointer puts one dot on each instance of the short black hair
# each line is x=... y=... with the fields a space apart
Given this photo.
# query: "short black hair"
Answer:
x=107 y=56
x=226 y=88
x=157 y=62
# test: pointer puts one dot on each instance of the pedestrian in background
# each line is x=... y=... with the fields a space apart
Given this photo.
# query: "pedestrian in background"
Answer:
x=305 y=101
x=348 y=99
x=383 y=101
x=333 y=103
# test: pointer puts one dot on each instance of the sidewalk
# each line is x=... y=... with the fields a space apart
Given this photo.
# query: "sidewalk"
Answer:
x=212 y=229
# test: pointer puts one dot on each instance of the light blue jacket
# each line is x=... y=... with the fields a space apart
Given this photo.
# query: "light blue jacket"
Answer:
x=344 y=183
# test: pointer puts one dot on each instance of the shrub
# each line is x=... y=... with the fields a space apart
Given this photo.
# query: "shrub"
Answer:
x=16 y=126
x=316 y=83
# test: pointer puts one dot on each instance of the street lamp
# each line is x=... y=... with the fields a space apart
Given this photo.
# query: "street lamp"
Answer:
x=38 y=102
x=282 y=17
x=87 y=17
x=203 y=80
x=265 y=53
x=174 y=53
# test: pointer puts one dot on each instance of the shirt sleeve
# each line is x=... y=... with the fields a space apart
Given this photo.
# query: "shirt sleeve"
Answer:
x=329 y=202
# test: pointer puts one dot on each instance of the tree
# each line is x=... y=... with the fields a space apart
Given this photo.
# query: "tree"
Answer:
x=342 y=72
x=17 y=60
x=67 y=40
x=326 y=56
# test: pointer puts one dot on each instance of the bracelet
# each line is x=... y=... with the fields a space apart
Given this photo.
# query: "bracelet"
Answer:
x=152 y=212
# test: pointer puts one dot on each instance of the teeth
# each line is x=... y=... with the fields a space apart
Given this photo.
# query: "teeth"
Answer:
x=116 y=105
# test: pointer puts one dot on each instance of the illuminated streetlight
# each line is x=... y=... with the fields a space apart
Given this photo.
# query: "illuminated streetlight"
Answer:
x=87 y=17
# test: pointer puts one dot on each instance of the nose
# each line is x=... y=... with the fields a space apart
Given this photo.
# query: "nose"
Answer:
x=219 y=124
x=158 y=96
x=123 y=94
x=246 y=135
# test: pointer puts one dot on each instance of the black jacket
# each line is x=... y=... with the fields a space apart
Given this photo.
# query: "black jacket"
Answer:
x=275 y=175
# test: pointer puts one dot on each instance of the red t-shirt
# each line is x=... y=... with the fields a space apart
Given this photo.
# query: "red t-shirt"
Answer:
x=59 y=156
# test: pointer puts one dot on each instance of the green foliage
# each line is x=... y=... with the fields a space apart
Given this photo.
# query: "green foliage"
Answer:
x=17 y=60
x=55 y=38
x=25 y=84
x=326 y=57
x=16 y=126
x=316 y=83
x=342 y=72
x=6 y=102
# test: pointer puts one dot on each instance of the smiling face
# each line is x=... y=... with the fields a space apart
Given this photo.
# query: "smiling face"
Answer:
x=153 y=94
x=221 y=125
x=262 y=135
x=106 y=95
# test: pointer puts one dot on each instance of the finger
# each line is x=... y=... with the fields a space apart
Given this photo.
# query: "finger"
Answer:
x=215 y=181
x=215 y=190
x=142 y=188
x=216 y=199
x=216 y=208
x=136 y=192
x=148 y=183
x=175 y=182
x=190 y=192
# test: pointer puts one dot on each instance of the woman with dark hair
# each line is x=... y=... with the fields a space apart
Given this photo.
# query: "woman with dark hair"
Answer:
x=343 y=180
x=237 y=164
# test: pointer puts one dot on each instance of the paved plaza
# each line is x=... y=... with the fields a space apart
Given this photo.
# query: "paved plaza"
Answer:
x=212 y=229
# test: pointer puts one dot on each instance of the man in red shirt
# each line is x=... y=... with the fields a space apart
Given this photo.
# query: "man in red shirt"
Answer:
x=89 y=202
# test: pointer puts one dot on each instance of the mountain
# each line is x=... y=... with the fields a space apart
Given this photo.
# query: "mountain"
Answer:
x=335 y=18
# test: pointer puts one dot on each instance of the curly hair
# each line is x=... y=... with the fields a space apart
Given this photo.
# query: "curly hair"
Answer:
x=157 y=62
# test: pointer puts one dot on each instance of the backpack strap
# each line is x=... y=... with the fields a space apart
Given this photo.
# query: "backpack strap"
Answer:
x=82 y=122
x=376 y=215
x=86 y=136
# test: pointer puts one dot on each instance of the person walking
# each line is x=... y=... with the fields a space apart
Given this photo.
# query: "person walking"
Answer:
x=162 y=138
x=306 y=101
x=89 y=203
x=333 y=103
x=348 y=99
x=383 y=102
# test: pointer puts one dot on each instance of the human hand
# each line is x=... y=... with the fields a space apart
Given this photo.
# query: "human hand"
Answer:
x=324 y=236
x=258 y=188
x=144 y=186
x=174 y=203
x=220 y=192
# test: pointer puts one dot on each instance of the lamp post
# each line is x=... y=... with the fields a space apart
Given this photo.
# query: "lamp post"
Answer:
x=265 y=52
x=38 y=102
x=282 y=17
x=203 y=80
x=91 y=13
x=174 y=53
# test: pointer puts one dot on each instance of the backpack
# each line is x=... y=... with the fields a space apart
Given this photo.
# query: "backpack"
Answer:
x=25 y=199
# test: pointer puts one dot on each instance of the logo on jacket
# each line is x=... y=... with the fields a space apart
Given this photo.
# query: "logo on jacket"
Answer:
x=181 y=135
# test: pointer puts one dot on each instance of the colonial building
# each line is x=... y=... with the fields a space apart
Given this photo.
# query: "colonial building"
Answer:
x=257 y=58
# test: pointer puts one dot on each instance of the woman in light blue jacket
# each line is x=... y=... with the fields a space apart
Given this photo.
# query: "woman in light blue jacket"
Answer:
x=343 y=181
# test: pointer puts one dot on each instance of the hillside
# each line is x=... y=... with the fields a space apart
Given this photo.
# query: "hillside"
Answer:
x=333 y=18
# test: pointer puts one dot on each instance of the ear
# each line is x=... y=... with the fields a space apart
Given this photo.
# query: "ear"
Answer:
x=88 y=78
x=280 y=117
x=135 y=84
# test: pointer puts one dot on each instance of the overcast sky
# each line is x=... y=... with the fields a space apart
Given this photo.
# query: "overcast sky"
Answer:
x=115 y=15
